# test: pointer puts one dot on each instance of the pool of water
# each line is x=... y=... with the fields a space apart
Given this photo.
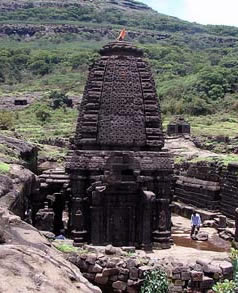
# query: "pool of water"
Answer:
x=214 y=243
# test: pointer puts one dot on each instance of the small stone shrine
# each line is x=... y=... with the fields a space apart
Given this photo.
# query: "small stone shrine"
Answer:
x=120 y=176
x=178 y=126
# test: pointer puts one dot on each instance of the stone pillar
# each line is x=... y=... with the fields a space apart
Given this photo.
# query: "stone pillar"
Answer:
x=78 y=211
x=236 y=221
x=161 y=237
x=78 y=226
x=58 y=207
x=146 y=224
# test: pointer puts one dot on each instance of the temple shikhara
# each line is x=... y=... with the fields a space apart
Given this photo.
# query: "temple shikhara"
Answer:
x=120 y=176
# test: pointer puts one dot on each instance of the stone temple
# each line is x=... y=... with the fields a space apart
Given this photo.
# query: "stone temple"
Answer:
x=120 y=175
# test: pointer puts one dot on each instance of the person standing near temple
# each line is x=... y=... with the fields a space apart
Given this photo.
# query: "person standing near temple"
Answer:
x=195 y=223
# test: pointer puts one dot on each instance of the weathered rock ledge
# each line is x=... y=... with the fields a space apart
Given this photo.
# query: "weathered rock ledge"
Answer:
x=33 y=30
x=28 y=262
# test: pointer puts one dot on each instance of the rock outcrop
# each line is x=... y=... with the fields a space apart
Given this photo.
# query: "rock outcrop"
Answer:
x=17 y=188
x=28 y=262
x=14 y=149
x=35 y=30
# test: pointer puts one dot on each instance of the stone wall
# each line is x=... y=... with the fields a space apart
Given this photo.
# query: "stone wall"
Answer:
x=199 y=184
x=117 y=270
x=209 y=186
x=229 y=190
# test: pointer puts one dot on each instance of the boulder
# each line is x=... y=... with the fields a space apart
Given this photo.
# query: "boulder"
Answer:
x=110 y=250
x=23 y=150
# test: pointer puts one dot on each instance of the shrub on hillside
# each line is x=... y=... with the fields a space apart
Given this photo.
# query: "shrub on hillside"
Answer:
x=40 y=67
x=43 y=114
x=59 y=99
x=6 y=120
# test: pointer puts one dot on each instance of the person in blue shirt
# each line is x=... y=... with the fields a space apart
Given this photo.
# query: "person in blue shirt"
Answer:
x=195 y=223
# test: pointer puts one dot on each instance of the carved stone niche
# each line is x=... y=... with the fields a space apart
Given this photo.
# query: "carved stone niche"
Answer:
x=120 y=176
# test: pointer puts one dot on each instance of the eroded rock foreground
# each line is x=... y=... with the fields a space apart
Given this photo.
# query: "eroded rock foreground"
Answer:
x=28 y=262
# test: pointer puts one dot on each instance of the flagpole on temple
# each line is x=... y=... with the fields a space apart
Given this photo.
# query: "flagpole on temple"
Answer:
x=122 y=35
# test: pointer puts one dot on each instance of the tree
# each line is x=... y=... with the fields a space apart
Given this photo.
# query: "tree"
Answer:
x=43 y=114
x=59 y=99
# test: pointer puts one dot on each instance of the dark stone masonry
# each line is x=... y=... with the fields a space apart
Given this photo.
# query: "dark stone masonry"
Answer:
x=199 y=184
x=208 y=185
x=229 y=190
x=120 y=175
x=113 y=270
x=178 y=126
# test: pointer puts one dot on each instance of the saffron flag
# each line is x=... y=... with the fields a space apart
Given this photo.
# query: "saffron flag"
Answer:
x=122 y=35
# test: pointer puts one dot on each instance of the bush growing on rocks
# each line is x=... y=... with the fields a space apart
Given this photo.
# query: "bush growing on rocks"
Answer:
x=225 y=287
x=66 y=248
x=155 y=282
x=229 y=286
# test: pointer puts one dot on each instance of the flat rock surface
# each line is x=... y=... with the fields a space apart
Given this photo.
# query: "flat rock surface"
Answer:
x=187 y=250
x=186 y=148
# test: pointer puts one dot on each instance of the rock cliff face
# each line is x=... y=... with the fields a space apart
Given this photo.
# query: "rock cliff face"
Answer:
x=33 y=31
x=17 y=188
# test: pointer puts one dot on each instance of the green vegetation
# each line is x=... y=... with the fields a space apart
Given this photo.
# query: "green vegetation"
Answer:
x=104 y=15
x=43 y=114
x=52 y=153
x=195 y=66
x=155 y=282
x=234 y=258
x=224 y=287
x=6 y=120
x=66 y=248
x=59 y=99
x=225 y=159
x=188 y=81
x=31 y=68
x=228 y=286
x=4 y=168
x=60 y=122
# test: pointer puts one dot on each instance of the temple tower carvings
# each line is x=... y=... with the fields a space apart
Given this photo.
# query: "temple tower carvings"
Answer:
x=120 y=175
